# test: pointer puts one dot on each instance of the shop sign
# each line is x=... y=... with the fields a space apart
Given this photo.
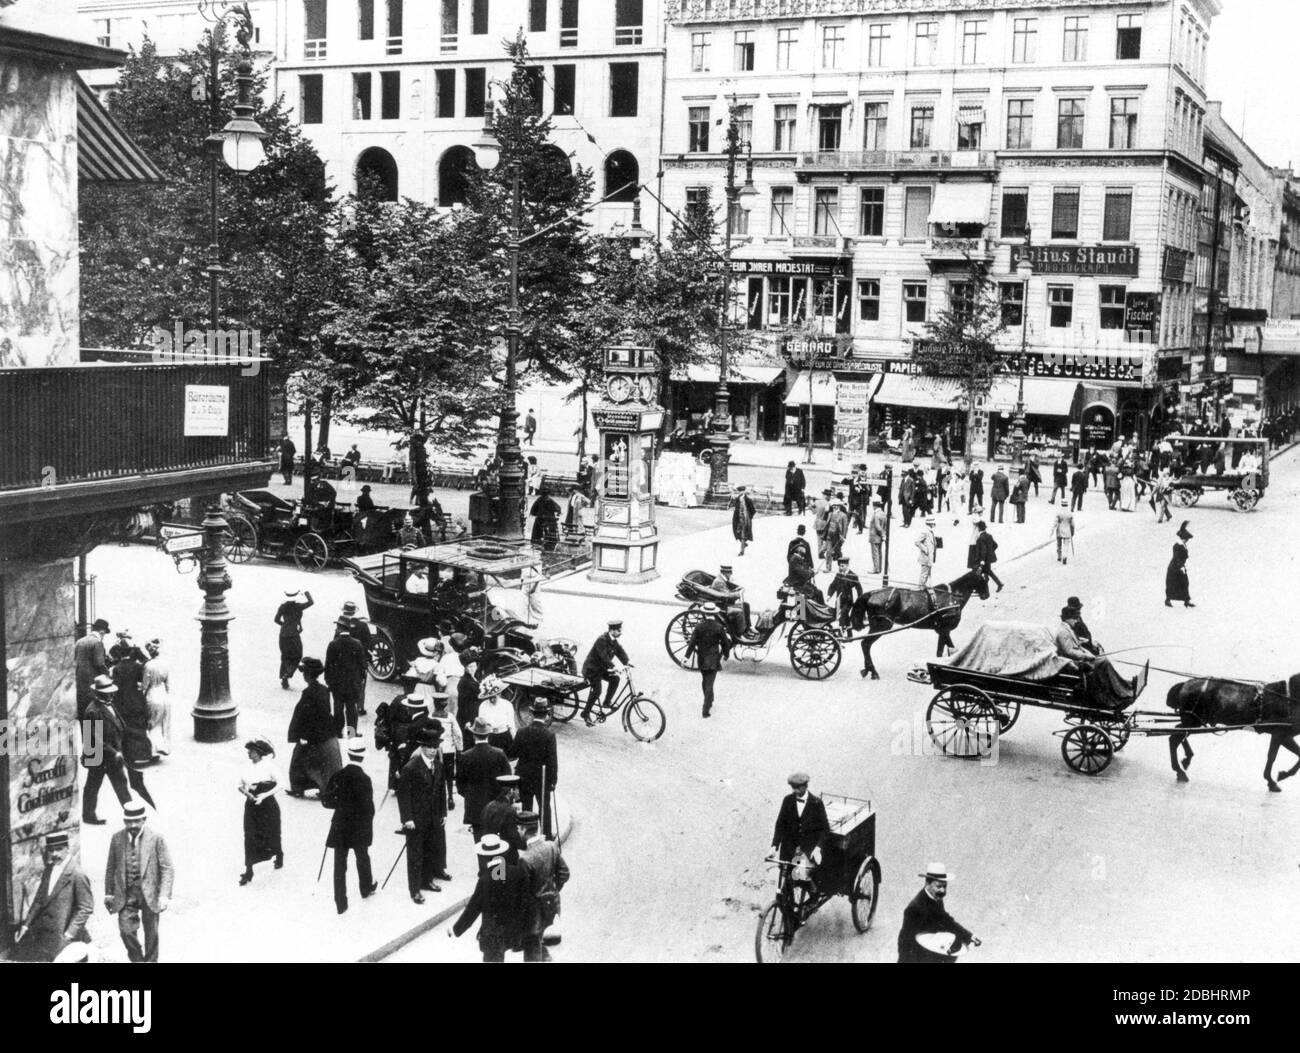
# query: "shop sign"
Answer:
x=799 y=349
x=1221 y=363
x=1177 y=265
x=616 y=419
x=1245 y=386
x=1142 y=312
x=1098 y=426
x=1079 y=259
x=810 y=268
x=1083 y=366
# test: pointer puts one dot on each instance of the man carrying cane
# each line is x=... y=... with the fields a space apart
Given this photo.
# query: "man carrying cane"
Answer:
x=352 y=797
x=422 y=804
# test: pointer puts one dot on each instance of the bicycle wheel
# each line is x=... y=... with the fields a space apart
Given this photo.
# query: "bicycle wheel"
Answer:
x=644 y=718
x=863 y=897
x=772 y=939
x=678 y=635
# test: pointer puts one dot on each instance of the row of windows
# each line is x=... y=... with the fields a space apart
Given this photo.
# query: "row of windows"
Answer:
x=628 y=17
x=623 y=99
x=883 y=46
x=829 y=121
x=778 y=301
x=828 y=219
x=1192 y=46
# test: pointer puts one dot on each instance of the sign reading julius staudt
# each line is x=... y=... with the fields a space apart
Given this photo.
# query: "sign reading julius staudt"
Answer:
x=1079 y=259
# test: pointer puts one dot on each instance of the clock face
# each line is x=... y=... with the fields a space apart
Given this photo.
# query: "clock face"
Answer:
x=645 y=388
x=618 y=388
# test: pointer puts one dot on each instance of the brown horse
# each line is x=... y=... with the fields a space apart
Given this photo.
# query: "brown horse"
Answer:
x=939 y=608
x=1271 y=709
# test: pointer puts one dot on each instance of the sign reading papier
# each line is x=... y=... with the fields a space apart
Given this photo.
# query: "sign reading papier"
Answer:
x=207 y=410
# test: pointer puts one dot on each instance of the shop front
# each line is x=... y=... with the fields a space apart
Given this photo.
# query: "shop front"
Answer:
x=927 y=406
x=810 y=396
x=754 y=392
x=1050 y=406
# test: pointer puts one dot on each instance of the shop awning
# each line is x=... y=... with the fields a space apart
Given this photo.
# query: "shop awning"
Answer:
x=961 y=203
x=1044 y=396
x=906 y=389
x=708 y=374
x=823 y=390
x=105 y=153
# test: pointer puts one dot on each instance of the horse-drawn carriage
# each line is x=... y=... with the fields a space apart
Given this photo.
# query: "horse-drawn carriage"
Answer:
x=849 y=868
x=312 y=534
x=803 y=624
x=1240 y=467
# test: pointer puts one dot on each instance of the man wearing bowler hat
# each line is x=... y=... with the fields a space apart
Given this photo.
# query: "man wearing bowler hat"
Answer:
x=422 y=805
x=63 y=904
x=926 y=916
x=476 y=774
x=599 y=666
x=91 y=661
x=712 y=643
x=801 y=824
x=534 y=750
x=351 y=795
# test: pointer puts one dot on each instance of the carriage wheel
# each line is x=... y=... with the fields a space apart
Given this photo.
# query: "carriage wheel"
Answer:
x=381 y=659
x=862 y=898
x=239 y=539
x=678 y=635
x=1245 y=499
x=1008 y=714
x=815 y=654
x=310 y=552
x=564 y=707
x=644 y=718
x=961 y=724
x=1087 y=749
x=1119 y=735
x=773 y=937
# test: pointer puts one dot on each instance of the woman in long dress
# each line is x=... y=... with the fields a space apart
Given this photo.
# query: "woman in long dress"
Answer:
x=311 y=730
x=289 y=618
x=1127 y=491
x=742 y=518
x=157 y=697
x=128 y=674
x=1177 y=586
x=546 y=520
x=259 y=784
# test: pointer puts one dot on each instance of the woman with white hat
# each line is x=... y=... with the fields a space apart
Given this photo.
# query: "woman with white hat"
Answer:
x=496 y=712
x=259 y=784
x=288 y=617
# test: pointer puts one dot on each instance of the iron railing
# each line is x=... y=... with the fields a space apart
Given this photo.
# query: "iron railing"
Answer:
x=889 y=160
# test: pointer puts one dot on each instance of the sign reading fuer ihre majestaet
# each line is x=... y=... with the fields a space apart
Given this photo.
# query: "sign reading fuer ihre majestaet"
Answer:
x=1079 y=259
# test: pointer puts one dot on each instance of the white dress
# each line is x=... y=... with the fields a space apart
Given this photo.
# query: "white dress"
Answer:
x=157 y=695
x=1127 y=494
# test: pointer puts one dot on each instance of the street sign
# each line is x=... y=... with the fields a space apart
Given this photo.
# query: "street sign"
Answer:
x=178 y=543
x=176 y=529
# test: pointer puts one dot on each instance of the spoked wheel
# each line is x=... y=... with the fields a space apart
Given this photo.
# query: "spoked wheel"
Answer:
x=1185 y=496
x=564 y=707
x=1008 y=714
x=961 y=724
x=239 y=539
x=815 y=654
x=1245 y=499
x=1119 y=735
x=381 y=659
x=863 y=897
x=773 y=937
x=644 y=719
x=678 y=635
x=1087 y=749
x=310 y=552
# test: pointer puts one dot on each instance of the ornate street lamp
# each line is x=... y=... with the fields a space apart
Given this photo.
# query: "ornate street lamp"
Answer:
x=1024 y=270
x=215 y=713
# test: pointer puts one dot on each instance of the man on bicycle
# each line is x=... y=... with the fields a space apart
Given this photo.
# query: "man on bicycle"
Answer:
x=801 y=825
x=599 y=667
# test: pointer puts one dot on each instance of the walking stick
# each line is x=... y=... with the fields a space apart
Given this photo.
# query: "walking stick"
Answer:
x=405 y=842
x=324 y=852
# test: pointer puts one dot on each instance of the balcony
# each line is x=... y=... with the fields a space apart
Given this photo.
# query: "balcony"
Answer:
x=313 y=50
x=115 y=435
x=936 y=161
x=957 y=250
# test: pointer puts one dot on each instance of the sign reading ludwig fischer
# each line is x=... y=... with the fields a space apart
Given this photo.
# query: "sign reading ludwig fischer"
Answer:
x=1079 y=259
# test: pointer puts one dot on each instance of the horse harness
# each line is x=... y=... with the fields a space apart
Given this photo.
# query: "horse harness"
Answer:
x=934 y=608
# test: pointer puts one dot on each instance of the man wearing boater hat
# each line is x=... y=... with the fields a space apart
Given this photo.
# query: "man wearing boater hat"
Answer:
x=422 y=805
x=927 y=916
x=138 y=883
x=62 y=905
x=500 y=818
x=501 y=898
x=351 y=795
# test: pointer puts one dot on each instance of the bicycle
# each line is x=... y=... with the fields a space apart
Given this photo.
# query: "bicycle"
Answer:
x=642 y=716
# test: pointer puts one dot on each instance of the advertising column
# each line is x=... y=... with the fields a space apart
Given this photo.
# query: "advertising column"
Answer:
x=852 y=403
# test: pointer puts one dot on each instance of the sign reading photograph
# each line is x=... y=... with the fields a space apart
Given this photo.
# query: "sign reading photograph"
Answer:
x=1079 y=259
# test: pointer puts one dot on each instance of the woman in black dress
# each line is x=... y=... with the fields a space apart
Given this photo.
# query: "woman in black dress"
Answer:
x=137 y=749
x=289 y=618
x=311 y=730
x=1176 y=584
x=546 y=520
x=259 y=784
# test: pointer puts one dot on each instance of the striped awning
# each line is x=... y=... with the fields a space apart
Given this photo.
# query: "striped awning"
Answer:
x=105 y=153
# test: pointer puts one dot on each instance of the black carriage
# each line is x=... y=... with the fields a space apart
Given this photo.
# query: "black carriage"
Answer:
x=849 y=867
x=975 y=704
x=447 y=588
x=312 y=534
x=1240 y=468
x=804 y=625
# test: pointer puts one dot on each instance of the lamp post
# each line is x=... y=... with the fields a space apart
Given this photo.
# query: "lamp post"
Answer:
x=738 y=198
x=215 y=713
x=1025 y=270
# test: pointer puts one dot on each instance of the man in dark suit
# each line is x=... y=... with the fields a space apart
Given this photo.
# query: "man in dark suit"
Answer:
x=998 y=494
x=599 y=667
x=984 y=553
x=711 y=641
x=501 y=898
x=535 y=752
x=111 y=734
x=1078 y=487
x=422 y=805
x=801 y=824
x=63 y=904
x=352 y=826
x=975 y=486
x=345 y=673
x=91 y=661
x=795 y=484
x=926 y=914
x=500 y=818
x=476 y=775
x=138 y=883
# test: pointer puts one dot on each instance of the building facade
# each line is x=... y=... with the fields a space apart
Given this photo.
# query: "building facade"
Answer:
x=895 y=144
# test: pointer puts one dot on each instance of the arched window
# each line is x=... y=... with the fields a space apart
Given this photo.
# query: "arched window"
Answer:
x=555 y=160
x=454 y=175
x=377 y=175
x=621 y=169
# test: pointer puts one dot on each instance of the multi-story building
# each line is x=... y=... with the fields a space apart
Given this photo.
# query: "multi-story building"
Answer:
x=1286 y=275
x=894 y=144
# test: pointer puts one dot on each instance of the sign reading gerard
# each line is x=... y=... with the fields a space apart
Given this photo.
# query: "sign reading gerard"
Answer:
x=1079 y=259
x=207 y=410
